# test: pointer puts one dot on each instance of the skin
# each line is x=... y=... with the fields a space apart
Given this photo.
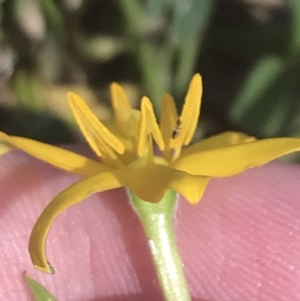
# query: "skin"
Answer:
x=241 y=242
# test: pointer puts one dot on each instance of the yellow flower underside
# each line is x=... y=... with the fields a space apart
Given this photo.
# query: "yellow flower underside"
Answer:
x=4 y=148
x=127 y=156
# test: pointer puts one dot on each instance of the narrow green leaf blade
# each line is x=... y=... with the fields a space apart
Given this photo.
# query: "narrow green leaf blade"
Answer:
x=262 y=77
x=38 y=291
x=190 y=16
x=295 y=30
x=155 y=8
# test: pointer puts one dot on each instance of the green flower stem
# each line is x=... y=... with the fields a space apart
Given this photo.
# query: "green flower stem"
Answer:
x=157 y=220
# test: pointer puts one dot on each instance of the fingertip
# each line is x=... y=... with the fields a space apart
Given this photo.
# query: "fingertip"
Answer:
x=240 y=241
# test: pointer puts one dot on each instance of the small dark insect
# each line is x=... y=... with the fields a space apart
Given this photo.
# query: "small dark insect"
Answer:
x=175 y=133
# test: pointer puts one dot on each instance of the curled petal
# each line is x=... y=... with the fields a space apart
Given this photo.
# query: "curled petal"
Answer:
x=70 y=196
x=151 y=182
x=217 y=141
x=230 y=160
x=55 y=156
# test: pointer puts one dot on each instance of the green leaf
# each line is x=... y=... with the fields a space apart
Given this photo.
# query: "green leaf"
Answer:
x=189 y=17
x=266 y=108
x=54 y=18
x=262 y=77
x=155 y=8
x=275 y=108
x=38 y=291
x=27 y=89
x=295 y=30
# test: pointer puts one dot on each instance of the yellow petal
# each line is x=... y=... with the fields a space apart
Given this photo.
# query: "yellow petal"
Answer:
x=4 y=148
x=122 y=109
x=190 y=113
x=148 y=126
x=230 y=160
x=217 y=141
x=70 y=196
x=151 y=182
x=101 y=140
x=168 y=119
x=56 y=156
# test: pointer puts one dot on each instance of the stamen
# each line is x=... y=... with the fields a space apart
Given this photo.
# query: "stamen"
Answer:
x=122 y=109
x=190 y=114
x=150 y=151
x=96 y=134
x=148 y=125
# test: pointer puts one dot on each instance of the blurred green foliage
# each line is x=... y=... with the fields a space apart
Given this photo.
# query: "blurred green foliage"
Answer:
x=247 y=51
x=38 y=291
x=268 y=96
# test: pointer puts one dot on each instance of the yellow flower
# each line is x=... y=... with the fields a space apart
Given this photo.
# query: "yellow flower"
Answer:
x=126 y=158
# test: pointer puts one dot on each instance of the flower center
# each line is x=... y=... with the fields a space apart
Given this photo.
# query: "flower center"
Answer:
x=143 y=161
